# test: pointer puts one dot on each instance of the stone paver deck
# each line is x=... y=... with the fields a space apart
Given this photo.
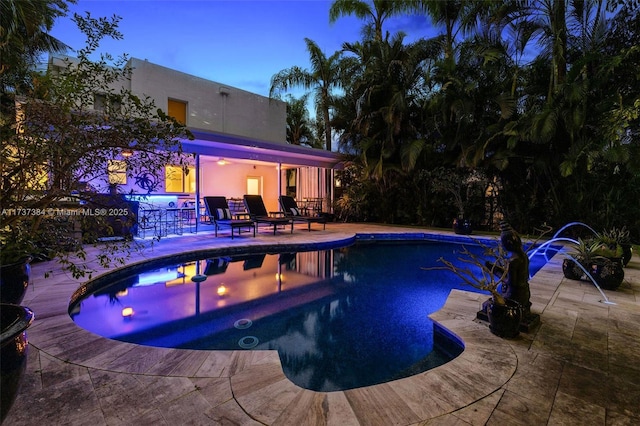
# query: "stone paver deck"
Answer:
x=581 y=366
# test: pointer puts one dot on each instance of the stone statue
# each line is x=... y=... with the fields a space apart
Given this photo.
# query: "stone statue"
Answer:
x=516 y=284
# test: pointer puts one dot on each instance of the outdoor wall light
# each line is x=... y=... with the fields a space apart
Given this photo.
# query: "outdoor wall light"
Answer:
x=126 y=153
x=222 y=291
x=222 y=161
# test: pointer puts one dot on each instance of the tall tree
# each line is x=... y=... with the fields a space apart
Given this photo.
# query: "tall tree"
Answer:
x=24 y=27
x=374 y=13
x=60 y=148
x=299 y=125
x=453 y=15
x=322 y=78
x=389 y=89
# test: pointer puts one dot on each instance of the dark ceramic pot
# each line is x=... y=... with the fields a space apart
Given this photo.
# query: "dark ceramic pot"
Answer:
x=627 y=253
x=608 y=274
x=504 y=320
x=14 y=279
x=462 y=226
x=14 y=320
x=571 y=269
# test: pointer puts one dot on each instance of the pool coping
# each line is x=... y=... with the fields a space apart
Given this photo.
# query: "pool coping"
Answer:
x=261 y=390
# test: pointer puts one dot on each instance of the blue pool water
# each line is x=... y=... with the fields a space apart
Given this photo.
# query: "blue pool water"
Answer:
x=339 y=318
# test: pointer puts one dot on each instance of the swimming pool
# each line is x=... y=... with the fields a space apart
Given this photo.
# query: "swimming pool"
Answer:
x=339 y=318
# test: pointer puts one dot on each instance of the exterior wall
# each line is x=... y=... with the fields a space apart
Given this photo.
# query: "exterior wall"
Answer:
x=59 y=62
x=210 y=105
x=230 y=181
x=219 y=108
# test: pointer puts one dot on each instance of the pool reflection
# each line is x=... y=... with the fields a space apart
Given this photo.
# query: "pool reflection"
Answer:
x=169 y=293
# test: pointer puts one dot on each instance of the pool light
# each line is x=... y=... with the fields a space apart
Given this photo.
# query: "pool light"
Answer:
x=127 y=313
x=222 y=290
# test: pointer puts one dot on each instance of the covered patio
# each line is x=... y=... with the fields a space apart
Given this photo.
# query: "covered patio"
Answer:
x=232 y=166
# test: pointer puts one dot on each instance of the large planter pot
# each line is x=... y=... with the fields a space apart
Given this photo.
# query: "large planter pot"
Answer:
x=14 y=279
x=462 y=226
x=571 y=269
x=504 y=320
x=14 y=320
x=627 y=253
x=608 y=274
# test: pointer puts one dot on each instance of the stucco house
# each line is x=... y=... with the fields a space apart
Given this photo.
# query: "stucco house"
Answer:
x=239 y=148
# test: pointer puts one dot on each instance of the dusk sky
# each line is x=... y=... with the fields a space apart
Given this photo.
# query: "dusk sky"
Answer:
x=241 y=43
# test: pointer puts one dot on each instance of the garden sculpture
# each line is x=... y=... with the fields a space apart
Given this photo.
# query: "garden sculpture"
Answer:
x=516 y=285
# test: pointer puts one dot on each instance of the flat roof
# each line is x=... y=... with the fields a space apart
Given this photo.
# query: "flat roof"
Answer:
x=238 y=147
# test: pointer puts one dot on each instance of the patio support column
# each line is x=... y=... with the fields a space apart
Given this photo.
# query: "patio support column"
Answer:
x=197 y=204
x=330 y=185
x=279 y=181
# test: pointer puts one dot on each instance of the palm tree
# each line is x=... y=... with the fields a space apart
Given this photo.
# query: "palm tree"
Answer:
x=299 y=125
x=375 y=13
x=322 y=78
x=457 y=16
x=388 y=92
x=24 y=26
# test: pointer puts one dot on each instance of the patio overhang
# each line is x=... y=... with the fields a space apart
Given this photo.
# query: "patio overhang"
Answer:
x=238 y=147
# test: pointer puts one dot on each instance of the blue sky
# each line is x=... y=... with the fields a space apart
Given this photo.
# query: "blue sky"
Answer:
x=240 y=43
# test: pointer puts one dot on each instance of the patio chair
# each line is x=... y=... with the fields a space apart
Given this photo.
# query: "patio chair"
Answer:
x=291 y=210
x=220 y=215
x=258 y=213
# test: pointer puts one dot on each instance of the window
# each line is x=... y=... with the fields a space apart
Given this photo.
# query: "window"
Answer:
x=175 y=180
x=104 y=103
x=99 y=102
x=177 y=110
x=38 y=178
x=117 y=171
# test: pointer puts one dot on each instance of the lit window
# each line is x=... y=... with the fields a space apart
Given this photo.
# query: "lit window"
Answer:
x=117 y=170
x=177 y=110
x=38 y=178
x=175 y=180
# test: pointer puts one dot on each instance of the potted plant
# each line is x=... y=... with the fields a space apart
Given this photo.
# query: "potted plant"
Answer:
x=583 y=254
x=617 y=240
x=17 y=248
x=14 y=321
x=14 y=278
x=487 y=271
x=600 y=262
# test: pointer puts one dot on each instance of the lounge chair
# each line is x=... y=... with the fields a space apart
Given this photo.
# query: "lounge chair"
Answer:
x=251 y=261
x=287 y=259
x=258 y=213
x=220 y=215
x=236 y=205
x=216 y=265
x=291 y=210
